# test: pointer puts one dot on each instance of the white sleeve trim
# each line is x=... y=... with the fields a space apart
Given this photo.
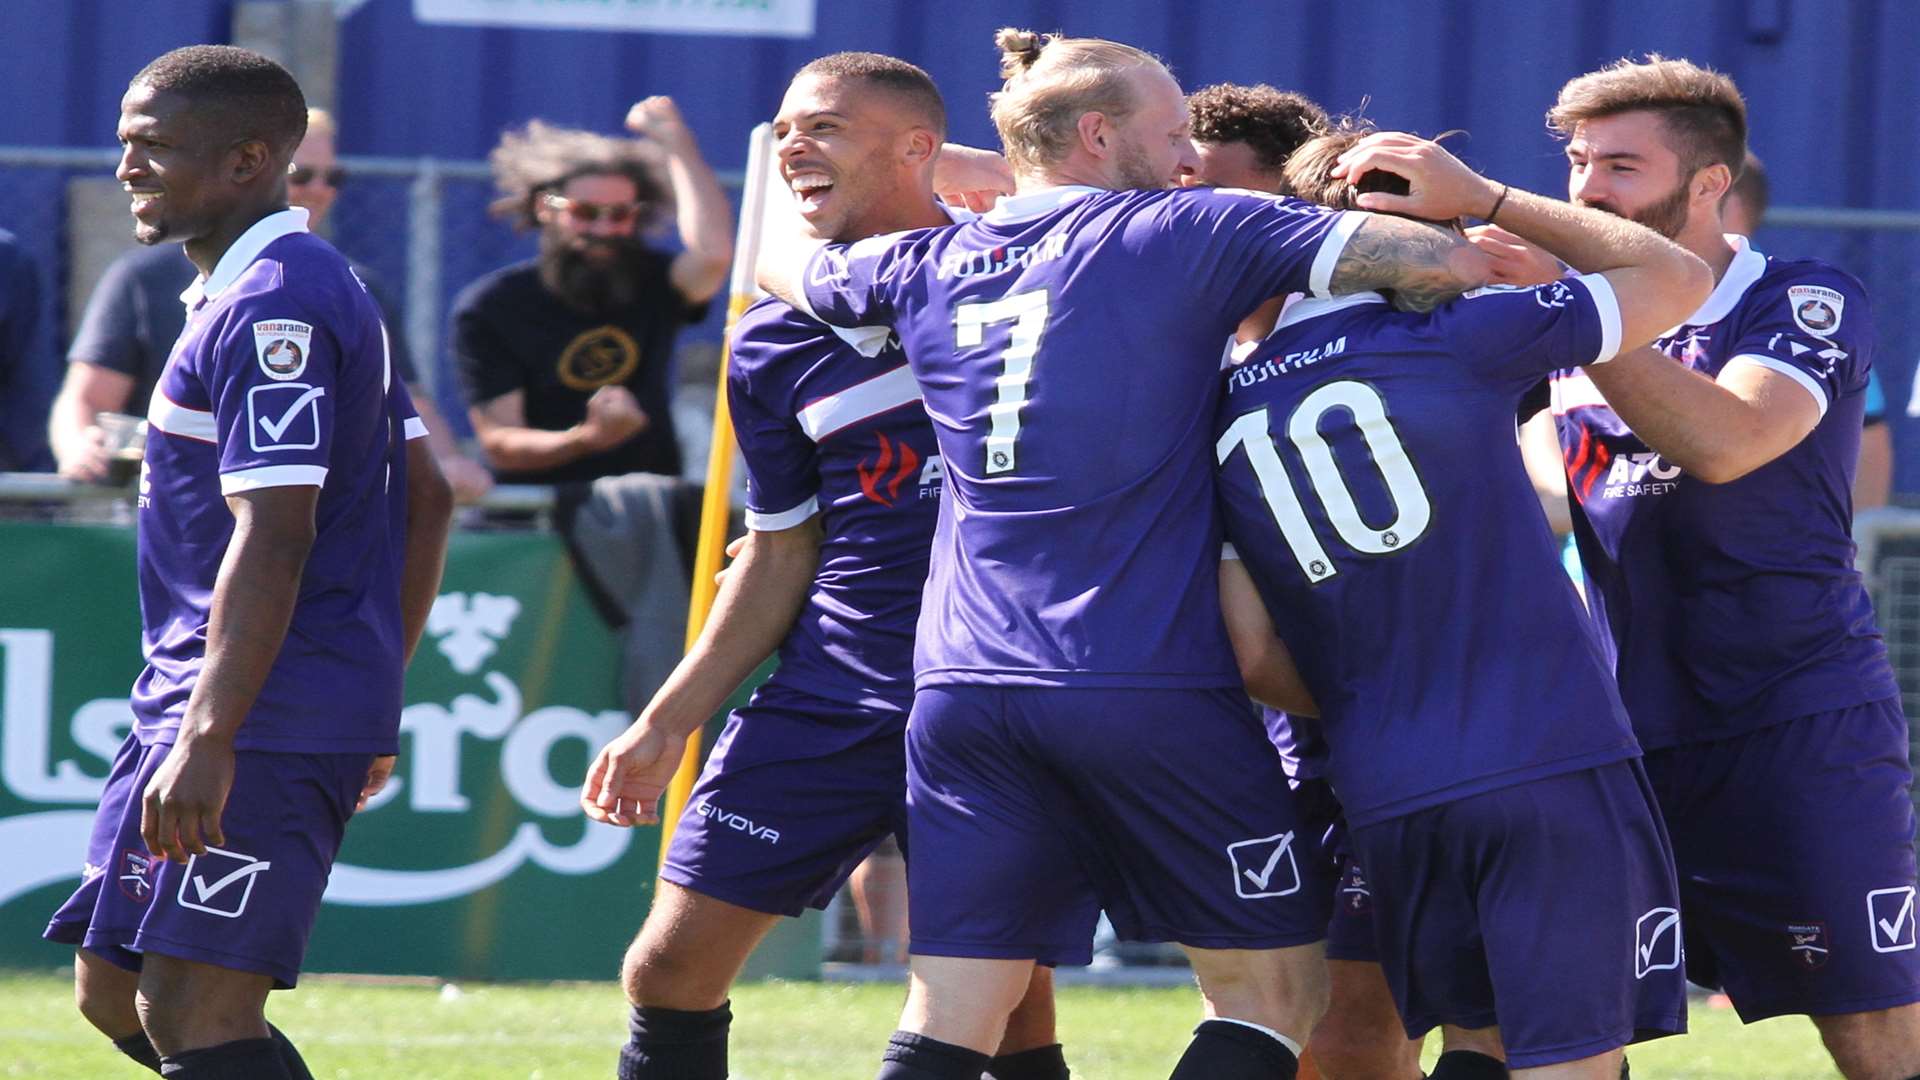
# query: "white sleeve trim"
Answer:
x=415 y=428
x=266 y=476
x=1773 y=363
x=1607 y=304
x=1331 y=247
x=1229 y=553
x=785 y=519
x=802 y=269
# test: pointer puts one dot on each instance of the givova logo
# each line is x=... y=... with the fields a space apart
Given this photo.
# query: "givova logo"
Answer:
x=1656 y=942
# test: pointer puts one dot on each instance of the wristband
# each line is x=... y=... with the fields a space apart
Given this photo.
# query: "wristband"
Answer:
x=1497 y=204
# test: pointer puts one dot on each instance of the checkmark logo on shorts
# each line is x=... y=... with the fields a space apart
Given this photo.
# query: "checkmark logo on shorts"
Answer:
x=284 y=416
x=1890 y=913
x=1656 y=942
x=221 y=882
x=1264 y=867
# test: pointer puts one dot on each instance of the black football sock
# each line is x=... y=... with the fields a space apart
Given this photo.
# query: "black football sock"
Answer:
x=140 y=1048
x=916 y=1057
x=1229 y=1050
x=1039 y=1063
x=241 y=1059
x=1468 y=1065
x=675 y=1044
x=296 y=1066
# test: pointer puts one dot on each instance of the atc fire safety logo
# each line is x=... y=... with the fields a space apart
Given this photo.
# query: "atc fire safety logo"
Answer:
x=880 y=478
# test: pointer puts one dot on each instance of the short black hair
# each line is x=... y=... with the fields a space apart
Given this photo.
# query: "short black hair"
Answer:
x=238 y=92
x=890 y=73
x=1273 y=122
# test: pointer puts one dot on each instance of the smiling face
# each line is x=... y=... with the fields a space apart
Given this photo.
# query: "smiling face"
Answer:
x=169 y=168
x=1624 y=164
x=848 y=151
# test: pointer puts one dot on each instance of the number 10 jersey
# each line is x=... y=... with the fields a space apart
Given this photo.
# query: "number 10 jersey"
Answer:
x=1372 y=484
x=1067 y=347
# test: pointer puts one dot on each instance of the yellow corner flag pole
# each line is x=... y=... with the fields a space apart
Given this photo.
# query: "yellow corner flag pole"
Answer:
x=716 y=505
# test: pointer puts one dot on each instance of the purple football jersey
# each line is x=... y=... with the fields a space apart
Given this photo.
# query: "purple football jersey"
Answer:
x=836 y=428
x=1735 y=606
x=1372 y=484
x=282 y=377
x=1067 y=345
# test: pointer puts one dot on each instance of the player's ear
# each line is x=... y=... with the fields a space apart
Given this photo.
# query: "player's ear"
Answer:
x=1712 y=183
x=922 y=146
x=1096 y=131
x=249 y=159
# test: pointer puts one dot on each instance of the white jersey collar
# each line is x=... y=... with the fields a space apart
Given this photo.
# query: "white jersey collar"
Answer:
x=1742 y=272
x=242 y=253
x=1309 y=307
x=1035 y=203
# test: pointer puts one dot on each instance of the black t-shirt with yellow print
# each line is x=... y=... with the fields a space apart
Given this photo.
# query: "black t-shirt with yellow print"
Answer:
x=509 y=333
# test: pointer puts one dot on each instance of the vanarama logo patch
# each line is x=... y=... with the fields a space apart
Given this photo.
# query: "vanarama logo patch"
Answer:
x=283 y=346
x=1816 y=309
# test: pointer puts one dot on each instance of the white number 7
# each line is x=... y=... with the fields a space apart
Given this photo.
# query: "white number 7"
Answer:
x=1028 y=312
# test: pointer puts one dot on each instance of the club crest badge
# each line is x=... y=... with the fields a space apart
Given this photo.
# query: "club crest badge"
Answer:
x=1809 y=945
x=136 y=874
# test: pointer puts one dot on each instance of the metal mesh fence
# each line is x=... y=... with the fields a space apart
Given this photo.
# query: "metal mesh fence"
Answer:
x=420 y=225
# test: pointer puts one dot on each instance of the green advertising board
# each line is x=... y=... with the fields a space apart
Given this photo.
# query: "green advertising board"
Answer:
x=474 y=863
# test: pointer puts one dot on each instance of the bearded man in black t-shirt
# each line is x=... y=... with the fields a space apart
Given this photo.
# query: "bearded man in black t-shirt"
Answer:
x=566 y=359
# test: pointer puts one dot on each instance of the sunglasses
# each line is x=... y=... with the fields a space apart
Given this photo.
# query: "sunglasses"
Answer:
x=333 y=176
x=586 y=213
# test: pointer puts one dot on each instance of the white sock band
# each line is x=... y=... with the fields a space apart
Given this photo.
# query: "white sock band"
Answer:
x=1264 y=1030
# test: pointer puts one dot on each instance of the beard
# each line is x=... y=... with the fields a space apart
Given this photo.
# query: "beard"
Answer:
x=1666 y=216
x=594 y=275
x=1133 y=169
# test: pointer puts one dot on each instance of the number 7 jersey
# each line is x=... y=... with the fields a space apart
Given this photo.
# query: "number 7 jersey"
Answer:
x=1067 y=347
x=1372 y=484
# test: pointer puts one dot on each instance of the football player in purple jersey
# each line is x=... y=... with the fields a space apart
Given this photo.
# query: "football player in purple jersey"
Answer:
x=844 y=483
x=1070 y=653
x=1710 y=475
x=1243 y=136
x=1367 y=467
x=292 y=531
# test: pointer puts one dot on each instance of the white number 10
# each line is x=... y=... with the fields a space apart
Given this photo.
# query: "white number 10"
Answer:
x=1028 y=313
x=1412 y=509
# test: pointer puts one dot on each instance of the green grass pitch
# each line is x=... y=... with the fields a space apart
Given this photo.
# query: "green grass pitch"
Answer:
x=354 y=1030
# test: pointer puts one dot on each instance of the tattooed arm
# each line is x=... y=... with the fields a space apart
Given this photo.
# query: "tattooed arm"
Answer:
x=1422 y=265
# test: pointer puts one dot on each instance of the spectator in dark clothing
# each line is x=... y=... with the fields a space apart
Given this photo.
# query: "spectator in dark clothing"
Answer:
x=26 y=382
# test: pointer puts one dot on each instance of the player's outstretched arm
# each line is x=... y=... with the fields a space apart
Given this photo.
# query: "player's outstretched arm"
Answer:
x=253 y=601
x=429 y=519
x=1423 y=266
x=759 y=599
x=1656 y=282
x=1266 y=666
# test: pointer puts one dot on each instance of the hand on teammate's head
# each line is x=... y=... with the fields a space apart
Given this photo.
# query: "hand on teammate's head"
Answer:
x=1514 y=261
x=1440 y=186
